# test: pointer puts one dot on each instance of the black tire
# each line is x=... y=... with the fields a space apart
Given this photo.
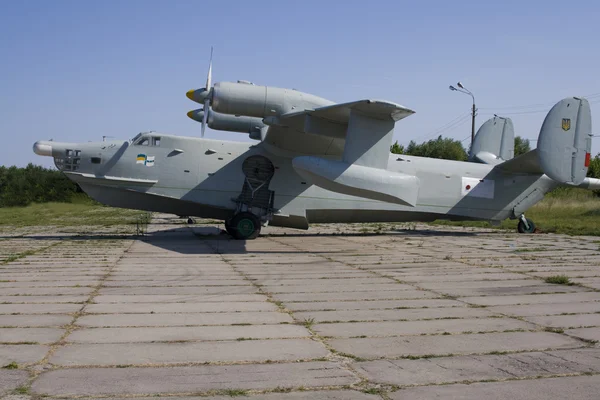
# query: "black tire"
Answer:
x=245 y=226
x=522 y=229
x=229 y=229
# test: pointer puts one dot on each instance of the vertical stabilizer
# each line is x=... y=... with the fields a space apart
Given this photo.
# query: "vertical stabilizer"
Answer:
x=565 y=141
x=494 y=141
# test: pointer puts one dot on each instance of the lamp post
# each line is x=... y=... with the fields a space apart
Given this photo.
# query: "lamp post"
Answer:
x=464 y=90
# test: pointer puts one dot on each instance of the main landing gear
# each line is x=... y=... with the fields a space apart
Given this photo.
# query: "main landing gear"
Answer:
x=525 y=225
x=243 y=226
x=255 y=202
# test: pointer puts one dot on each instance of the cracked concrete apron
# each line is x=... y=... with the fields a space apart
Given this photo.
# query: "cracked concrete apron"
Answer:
x=405 y=315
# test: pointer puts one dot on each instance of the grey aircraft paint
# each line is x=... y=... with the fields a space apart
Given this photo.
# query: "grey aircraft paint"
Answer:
x=331 y=163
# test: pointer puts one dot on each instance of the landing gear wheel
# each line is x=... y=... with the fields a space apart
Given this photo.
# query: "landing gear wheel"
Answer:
x=523 y=229
x=191 y=221
x=245 y=226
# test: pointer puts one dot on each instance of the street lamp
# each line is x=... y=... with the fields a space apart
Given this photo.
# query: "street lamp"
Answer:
x=464 y=90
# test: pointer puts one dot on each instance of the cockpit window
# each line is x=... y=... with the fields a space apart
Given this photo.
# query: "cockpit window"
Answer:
x=156 y=141
x=143 y=142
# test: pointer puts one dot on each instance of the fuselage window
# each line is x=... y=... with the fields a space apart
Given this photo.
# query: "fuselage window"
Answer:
x=156 y=141
x=96 y=160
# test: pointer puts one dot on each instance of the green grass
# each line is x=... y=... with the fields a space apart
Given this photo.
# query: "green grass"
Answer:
x=79 y=212
x=570 y=211
x=559 y=280
x=12 y=365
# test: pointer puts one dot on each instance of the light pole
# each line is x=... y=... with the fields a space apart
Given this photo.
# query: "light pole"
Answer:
x=464 y=90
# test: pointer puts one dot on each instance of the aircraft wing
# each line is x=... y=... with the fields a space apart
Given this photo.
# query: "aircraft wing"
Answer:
x=324 y=130
x=360 y=134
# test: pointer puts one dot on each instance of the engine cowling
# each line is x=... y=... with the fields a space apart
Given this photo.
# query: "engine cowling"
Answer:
x=260 y=101
x=230 y=123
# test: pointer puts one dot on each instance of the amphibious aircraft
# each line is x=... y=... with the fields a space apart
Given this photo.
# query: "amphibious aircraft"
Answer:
x=316 y=161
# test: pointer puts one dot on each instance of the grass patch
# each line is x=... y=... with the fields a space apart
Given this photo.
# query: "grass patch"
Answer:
x=571 y=211
x=559 y=280
x=234 y=392
x=374 y=391
x=79 y=212
x=21 y=390
x=12 y=365
x=308 y=322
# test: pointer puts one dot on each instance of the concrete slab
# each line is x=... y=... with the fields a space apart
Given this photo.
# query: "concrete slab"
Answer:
x=191 y=307
x=567 y=321
x=224 y=318
x=400 y=328
x=350 y=287
x=372 y=305
x=12 y=379
x=39 y=308
x=547 y=309
x=185 y=333
x=573 y=388
x=22 y=354
x=401 y=346
x=533 y=299
x=176 y=290
x=31 y=321
x=46 y=291
x=590 y=334
x=191 y=352
x=391 y=315
x=304 y=395
x=445 y=370
x=343 y=296
x=182 y=298
x=30 y=335
x=198 y=379
x=43 y=299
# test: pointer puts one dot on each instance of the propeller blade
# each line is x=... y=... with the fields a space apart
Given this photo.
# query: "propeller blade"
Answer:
x=205 y=116
x=209 y=76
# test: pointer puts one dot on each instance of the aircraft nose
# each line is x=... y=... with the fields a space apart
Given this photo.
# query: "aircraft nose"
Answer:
x=43 y=148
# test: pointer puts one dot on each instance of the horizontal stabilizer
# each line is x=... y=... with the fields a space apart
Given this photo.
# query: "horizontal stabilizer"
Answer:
x=527 y=163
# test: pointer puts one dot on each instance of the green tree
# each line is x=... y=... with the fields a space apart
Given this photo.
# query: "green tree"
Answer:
x=594 y=167
x=445 y=148
x=397 y=148
x=34 y=184
x=521 y=146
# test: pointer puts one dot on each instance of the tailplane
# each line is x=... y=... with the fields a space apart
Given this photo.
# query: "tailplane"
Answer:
x=494 y=142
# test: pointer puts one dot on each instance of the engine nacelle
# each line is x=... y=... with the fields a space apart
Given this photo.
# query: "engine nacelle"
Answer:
x=230 y=123
x=261 y=101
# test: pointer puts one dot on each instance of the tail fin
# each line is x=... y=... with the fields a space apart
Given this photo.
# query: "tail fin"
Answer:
x=565 y=141
x=564 y=145
x=494 y=141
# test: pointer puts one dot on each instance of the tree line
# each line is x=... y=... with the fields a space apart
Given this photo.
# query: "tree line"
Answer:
x=448 y=149
x=34 y=184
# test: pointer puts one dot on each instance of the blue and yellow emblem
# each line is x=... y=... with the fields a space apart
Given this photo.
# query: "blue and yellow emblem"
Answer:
x=148 y=161
x=566 y=124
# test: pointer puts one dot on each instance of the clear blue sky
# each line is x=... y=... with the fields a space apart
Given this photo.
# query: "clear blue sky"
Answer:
x=77 y=70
